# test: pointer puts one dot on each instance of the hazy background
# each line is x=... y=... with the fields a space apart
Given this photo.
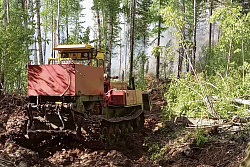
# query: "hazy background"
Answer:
x=202 y=35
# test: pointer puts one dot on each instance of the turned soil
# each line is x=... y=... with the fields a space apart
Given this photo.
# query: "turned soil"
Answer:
x=136 y=149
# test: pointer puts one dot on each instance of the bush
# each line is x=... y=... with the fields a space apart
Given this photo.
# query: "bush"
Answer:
x=201 y=137
x=185 y=95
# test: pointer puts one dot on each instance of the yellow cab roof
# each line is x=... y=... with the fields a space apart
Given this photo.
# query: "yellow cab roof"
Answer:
x=75 y=47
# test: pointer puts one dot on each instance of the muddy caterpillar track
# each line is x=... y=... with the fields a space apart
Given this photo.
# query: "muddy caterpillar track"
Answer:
x=95 y=131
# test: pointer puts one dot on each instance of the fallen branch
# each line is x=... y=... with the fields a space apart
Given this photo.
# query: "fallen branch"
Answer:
x=241 y=101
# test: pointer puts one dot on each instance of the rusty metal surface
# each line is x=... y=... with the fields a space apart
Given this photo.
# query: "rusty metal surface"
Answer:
x=118 y=85
x=50 y=80
x=89 y=80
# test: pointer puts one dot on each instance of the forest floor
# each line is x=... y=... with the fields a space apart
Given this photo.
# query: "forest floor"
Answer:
x=158 y=144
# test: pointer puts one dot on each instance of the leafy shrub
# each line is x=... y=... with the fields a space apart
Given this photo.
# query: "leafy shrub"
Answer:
x=185 y=95
x=201 y=137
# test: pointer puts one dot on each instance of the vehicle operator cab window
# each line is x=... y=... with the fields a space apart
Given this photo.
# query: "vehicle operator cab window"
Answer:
x=85 y=55
x=64 y=55
x=78 y=54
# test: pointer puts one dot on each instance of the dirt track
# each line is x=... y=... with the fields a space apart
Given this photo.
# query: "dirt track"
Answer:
x=133 y=150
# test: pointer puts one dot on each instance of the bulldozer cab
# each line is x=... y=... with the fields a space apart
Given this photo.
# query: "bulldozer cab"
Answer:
x=78 y=54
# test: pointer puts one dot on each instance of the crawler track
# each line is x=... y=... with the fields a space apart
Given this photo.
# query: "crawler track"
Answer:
x=94 y=131
x=97 y=131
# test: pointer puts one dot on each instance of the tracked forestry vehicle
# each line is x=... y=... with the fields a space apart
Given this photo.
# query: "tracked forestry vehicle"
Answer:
x=72 y=95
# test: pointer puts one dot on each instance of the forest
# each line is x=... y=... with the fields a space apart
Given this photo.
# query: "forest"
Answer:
x=191 y=56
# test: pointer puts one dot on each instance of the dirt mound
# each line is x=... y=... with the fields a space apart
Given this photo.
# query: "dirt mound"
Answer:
x=133 y=150
x=17 y=123
x=214 y=153
x=20 y=155
x=8 y=105
x=76 y=157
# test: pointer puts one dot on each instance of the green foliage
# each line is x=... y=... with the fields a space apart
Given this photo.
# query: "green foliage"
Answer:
x=143 y=20
x=76 y=37
x=157 y=51
x=236 y=28
x=201 y=137
x=184 y=95
x=110 y=8
x=139 y=67
x=70 y=14
x=183 y=99
x=173 y=18
x=177 y=139
x=221 y=86
x=179 y=15
x=85 y=38
x=168 y=58
x=153 y=148
x=14 y=51
x=156 y=17
x=157 y=151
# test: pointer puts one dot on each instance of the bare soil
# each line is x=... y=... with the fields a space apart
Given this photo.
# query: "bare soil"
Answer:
x=225 y=149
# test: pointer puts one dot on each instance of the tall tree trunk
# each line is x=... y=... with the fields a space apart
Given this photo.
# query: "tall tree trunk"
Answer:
x=194 y=33
x=77 y=30
x=183 y=47
x=5 y=2
x=44 y=45
x=36 y=36
x=52 y=31
x=33 y=10
x=25 y=15
x=103 y=25
x=25 y=10
x=144 y=52
x=158 y=44
x=188 y=55
x=210 y=32
x=132 y=27
x=180 y=60
x=39 y=37
x=67 y=29
x=144 y=43
x=126 y=27
x=67 y=23
x=147 y=67
x=120 y=69
x=7 y=11
x=210 y=26
x=126 y=49
x=2 y=67
x=99 y=45
x=58 y=22
x=109 y=46
x=35 y=55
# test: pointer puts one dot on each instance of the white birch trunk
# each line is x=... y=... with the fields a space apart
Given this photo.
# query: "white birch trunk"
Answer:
x=38 y=29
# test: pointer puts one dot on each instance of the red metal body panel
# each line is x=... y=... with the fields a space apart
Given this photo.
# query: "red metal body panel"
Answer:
x=53 y=80
x=50 y=80
x=118 y=98
x=89 y=80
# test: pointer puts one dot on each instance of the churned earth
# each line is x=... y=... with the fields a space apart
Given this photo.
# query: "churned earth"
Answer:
x=158 y=144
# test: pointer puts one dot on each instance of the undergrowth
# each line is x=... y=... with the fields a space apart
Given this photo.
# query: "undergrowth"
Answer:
x=185 y=95
x=160 y=151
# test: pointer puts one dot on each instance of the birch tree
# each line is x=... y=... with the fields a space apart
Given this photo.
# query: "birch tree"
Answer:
x=131 y=57
x=38 y=32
